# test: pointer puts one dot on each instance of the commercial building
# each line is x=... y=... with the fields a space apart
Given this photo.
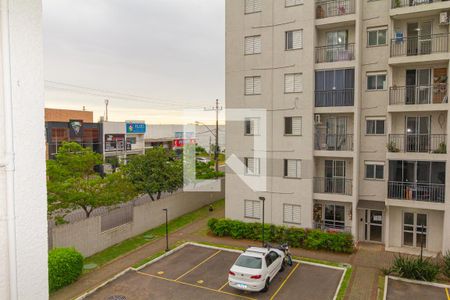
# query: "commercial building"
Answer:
x=123 y=139
x=355 y=95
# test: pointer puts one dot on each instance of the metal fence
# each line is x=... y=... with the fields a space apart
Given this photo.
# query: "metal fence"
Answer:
x=332 y=98
x=332 y=53
x=425 y=143
x=405 y=3
x=419 y=45
x=333 y=185
x=324 y=226
x=423 y=94
x=429 y=192
x=334 y=142
x=333 y=8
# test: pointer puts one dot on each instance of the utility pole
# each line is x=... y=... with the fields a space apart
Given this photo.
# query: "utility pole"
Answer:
x=216 y=146
x=106 y=111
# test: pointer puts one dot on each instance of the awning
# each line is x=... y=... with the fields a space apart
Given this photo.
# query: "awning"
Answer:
x=368 y=204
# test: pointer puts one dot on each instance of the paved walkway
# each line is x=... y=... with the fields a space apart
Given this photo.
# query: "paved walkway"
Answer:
x=366 y=262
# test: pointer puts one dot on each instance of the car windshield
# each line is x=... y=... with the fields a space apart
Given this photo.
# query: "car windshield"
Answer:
x=248 y=262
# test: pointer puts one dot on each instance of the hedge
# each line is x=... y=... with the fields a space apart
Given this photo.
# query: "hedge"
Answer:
x=313 y=239
x=64 y=267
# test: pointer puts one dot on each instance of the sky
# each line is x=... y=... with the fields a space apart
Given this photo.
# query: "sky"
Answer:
x=153 y=59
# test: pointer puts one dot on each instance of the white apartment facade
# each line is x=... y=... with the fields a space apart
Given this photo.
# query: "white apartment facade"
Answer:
x=355 y=95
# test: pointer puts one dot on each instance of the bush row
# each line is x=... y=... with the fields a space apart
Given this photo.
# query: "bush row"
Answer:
x=64 y=267
x=296 y=237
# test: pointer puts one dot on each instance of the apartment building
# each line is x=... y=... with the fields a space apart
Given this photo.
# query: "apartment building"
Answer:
x=355 y=101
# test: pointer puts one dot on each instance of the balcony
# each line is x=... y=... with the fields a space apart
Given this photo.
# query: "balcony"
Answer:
x=333 y=185
x=407 y=3
x=331 y=98
x=334 y=142
x=334 y=53
x=413 y=94
x=428 y=192
x=331 y=226
x=419 y=143
x=333 y=8
x=419 y=45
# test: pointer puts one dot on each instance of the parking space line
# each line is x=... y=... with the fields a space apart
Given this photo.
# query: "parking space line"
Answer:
x=201 y=263
x=223 y=286
x=448 y=294
x=284 y=281
x=196 y=286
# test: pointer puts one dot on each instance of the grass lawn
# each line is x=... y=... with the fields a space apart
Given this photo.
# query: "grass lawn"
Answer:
x=133 y=243
x=344 y=285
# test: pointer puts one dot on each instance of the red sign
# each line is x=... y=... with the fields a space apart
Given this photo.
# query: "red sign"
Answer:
x=182 y=142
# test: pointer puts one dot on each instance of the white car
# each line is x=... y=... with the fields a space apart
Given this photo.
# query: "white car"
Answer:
x=203 y=159
x=255 y=269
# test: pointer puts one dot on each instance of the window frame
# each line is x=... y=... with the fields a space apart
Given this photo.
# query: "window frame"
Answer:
x=376 y=75
x=257 y=122
x=293 y=5
x=375 y=120
x=248 y=12
x=374 y=164
x=258 y=215
x=253 y=85
x=294 y=75
x=298 y=168
x=292 y=218
x=256 y=160
x=377 y=31
x=253 y=37
x=292 y=128
x=286 y=33
x=416 y=229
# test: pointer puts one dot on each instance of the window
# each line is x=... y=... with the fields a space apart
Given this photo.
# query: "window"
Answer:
x=291 y=213
x=293 y=125
x=251 y=126
x=59 y=134
x=252 y=166
x=252 y=209
x=252 y=6
x=293 y=83
x=334 y=216
x=375 y=126
x=253 y=44
x=376 y=37
x=293 y=2
x=376 y=81
x=414 y=229
x=374 y=170
x=294 y=39
x=292 y=168
x=253 y=85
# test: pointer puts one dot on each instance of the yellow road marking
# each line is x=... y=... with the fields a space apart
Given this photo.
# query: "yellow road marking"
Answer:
x=224 y=285
x=448 y=295
x=201 y=263
x=196 y=286
x=284 y=281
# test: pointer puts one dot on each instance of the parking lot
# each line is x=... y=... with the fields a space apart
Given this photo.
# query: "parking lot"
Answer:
x=196 y=272
x=399 y=290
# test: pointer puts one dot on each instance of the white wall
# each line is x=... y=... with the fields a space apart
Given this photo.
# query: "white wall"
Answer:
x=28 y=215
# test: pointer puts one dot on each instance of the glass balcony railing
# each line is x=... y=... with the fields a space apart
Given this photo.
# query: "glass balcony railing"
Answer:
x=344 y=97
x=428 y=192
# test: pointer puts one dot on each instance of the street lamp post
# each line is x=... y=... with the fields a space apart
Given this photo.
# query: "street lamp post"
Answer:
x=262 y=228
x=167 y=229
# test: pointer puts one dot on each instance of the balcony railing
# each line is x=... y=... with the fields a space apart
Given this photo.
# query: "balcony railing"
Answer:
x=419 y=45
x=413 y=94
x=429 y=192
x=332 y=53
x=332 y=226
x=335 y=98
x=334 y=142
x=405 y=3
x=333 y=185
x=333 y=8
x=425 y=143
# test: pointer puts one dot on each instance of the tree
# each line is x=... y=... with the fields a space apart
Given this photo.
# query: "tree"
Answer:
x=206 y=171
x=72 y=182
x=155 y=172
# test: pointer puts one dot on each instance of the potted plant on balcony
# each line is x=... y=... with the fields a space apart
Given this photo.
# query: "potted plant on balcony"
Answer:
x=320 y=12
x=392 y=147
x=397 y=3
x=441 y=149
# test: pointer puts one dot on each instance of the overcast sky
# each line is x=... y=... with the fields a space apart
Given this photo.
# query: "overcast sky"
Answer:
x=170 y=53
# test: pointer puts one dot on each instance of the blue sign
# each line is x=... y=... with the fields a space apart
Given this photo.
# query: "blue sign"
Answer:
x=136 y=127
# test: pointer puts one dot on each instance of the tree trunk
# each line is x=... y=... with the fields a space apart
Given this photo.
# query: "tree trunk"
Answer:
x=151 y=197
x=159 y=195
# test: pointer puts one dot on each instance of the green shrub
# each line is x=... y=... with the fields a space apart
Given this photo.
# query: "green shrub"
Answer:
x=446 y=264
x=415 y=268
x=64 y=267
x=295 y=237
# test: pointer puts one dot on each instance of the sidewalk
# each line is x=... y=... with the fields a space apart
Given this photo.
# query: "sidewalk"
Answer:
x=363 y=285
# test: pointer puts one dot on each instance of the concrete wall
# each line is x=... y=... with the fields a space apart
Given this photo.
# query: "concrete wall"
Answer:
x=86 y=235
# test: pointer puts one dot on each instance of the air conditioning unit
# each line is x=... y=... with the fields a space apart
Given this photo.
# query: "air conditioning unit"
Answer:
x=317 y=119
x=443 y=18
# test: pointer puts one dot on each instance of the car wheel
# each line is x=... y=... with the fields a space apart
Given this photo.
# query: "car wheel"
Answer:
x=266 y=286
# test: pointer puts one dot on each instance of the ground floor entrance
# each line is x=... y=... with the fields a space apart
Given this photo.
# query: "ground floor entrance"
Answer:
x=373 y=225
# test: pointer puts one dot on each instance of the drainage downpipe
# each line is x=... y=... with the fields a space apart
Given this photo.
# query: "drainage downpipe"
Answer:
x=7 y=165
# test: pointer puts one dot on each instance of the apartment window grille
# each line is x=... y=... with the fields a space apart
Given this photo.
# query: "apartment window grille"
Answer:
x=375 y=126
x=293 y=125
x=374 y=170
x=253 y=85
x=292 y=168
x=252 y=126
x=252 y=6
x=253 y=44
x=252 y=209
x=376 y=81
x=294 y=39
x=293 y=83
x=291 y=213
x=376 y=37
x=252 y=166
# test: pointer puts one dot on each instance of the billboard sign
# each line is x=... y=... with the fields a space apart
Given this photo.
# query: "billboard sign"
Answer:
x=76 y=129
x=135 y=127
